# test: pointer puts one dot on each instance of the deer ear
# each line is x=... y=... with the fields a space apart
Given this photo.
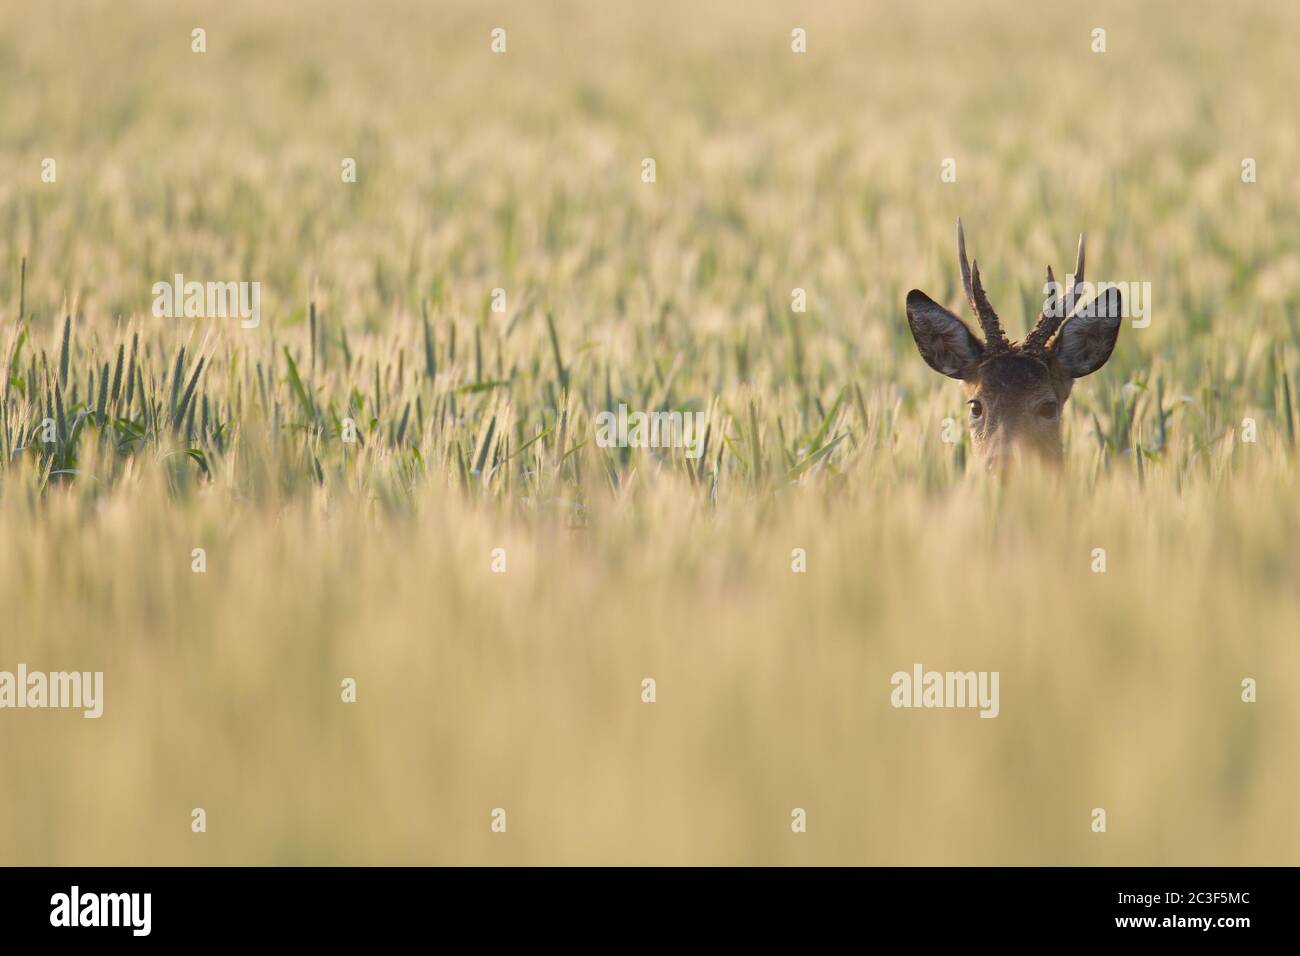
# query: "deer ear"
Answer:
x=945 y=342
x=1088 y=337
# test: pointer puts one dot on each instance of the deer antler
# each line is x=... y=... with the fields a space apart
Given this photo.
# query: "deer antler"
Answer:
x=995 y=340
x=1055 y=312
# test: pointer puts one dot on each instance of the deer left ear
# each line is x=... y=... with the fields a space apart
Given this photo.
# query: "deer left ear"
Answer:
x=1087 y=339
x=945 y=342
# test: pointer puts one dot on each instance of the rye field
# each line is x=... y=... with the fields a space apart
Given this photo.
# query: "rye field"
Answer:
x=389 y=487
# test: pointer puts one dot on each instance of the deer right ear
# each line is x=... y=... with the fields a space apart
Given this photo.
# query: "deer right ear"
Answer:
x=1086 y=340
x=945 y=342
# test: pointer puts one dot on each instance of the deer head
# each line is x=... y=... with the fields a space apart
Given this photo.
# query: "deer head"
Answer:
x=1016 y=390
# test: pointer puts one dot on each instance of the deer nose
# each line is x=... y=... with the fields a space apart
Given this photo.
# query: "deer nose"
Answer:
x=998 y=463
x=1002 y=452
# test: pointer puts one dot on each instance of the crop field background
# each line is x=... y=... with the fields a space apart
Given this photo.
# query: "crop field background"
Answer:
x=373 y=559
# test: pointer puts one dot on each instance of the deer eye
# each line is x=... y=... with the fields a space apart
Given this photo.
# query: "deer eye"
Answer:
x=976 y=408
x=1048 y=410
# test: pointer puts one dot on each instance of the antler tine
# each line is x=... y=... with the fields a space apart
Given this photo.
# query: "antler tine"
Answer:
x=1055 y=311
x=1078 y=269
x=965 y=266
x=994 y=338
x=1051 y=284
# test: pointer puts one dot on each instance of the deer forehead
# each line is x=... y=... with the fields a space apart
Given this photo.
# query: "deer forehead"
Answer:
x=1015 y=379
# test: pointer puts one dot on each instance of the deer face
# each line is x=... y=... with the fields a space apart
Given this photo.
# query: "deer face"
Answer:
x=1016 y=391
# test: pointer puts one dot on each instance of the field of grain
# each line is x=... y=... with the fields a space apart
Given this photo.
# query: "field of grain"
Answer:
x=497 y=584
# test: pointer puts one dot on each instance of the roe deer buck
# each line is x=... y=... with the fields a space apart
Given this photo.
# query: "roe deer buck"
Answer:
x=1016 y=389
